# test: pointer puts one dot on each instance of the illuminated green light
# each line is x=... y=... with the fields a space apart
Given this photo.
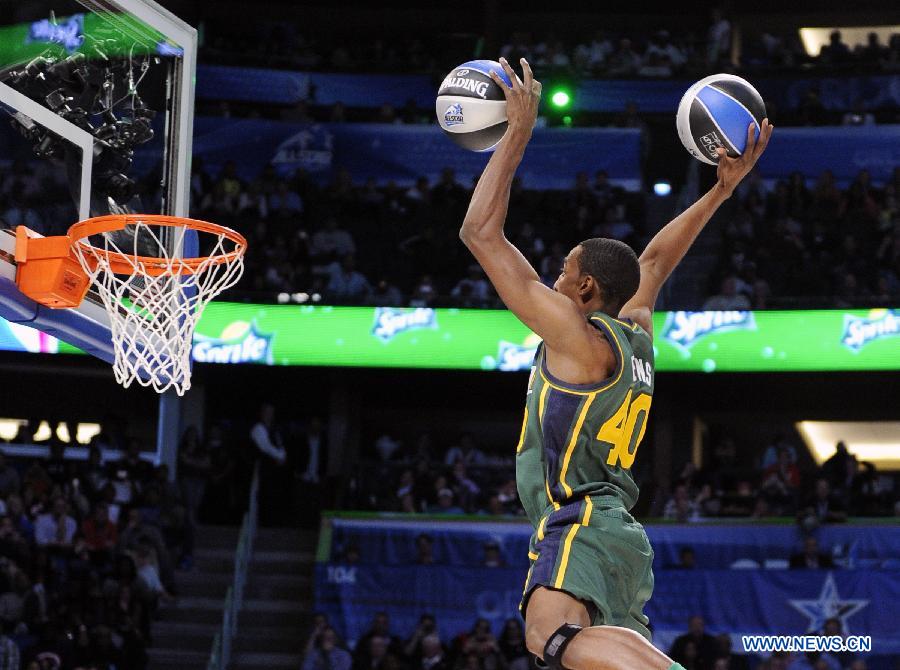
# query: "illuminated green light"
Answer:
x=560 y=99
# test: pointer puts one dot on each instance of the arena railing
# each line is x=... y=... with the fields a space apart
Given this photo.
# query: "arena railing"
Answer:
x=220 y=657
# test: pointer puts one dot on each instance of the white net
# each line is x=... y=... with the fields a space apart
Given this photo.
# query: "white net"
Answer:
x=156 y=298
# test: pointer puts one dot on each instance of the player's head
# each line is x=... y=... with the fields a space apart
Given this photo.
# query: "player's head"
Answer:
x=602 y=272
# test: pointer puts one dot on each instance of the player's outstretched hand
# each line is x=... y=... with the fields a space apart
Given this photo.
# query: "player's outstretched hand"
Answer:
x=732 y=170
x=522 y=98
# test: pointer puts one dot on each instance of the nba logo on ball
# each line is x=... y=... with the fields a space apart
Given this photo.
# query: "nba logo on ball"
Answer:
x=715 y=113
x=469 y=87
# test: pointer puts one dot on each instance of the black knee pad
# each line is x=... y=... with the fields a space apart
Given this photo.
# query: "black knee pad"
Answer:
x=556 y=645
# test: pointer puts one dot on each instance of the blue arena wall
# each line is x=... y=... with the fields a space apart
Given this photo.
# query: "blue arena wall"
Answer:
x=218 y=82
x=726 y=589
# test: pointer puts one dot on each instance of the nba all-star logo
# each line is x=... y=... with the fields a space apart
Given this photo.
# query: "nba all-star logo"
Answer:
x=829 y=605
x=454 y=115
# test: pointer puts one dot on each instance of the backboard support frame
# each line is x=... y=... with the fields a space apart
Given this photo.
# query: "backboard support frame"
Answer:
x=87 y=326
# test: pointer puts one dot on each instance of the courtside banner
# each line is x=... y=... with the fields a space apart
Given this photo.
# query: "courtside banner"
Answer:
x=758 y=602
x=468 y=339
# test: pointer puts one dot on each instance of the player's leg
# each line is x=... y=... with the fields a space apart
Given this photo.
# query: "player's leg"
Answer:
x=592 y=648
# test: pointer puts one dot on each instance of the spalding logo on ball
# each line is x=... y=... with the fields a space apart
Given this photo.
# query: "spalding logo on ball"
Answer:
x=471 y=107
x=716 y=112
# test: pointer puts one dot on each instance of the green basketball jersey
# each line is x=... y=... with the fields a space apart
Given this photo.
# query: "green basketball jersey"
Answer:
x=581 y=440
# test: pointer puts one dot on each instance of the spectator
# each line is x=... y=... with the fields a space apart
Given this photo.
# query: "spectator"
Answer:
x=726 y=653
x=624 y=61
x=473 y=290
x=826 y=507
x=424 y=552
x=56 y=529
x=680 y=507
x=781 y=481
x=718 y=45
x=728 y=297
x=381 y=627
x=858 y=116
x=100 y=534
x=9 y=650
x=315 y=447
x=427 y=625
x=492 y=556
x=446 y=504
x=512 y=645
x=346 y=284
x=275 y=488
x=835 y=52
x=839 y=467
x=10 y=481
x=686 y=559
x=466 y=451
x=331 y=242
x=704 y=646
x=326 y=654
x=267 y=438
x=811 y=557
x=432 y=657
x=194 y=465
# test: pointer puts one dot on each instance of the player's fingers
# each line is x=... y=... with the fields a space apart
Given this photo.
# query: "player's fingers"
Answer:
x=527 y=75
x=764 y=138
x=513 y=77
x=752 y=137
x=493 y=74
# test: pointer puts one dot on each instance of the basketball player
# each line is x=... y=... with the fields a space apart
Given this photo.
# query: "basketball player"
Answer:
x=586 y=410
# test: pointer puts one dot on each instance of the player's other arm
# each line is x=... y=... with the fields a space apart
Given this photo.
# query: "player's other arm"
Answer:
x=551 y=315
x=670 y=244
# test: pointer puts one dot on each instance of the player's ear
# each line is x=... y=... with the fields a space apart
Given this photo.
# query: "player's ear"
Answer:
x=587 y=287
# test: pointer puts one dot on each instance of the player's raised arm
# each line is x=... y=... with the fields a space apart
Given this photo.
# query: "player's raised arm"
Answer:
x=553 y=316
x=670 y=244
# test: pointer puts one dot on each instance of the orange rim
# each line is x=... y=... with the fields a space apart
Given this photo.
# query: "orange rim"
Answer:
x=120 y=263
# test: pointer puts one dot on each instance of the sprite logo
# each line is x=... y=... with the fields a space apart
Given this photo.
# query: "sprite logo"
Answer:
x=514 y=357
x=683 y=329
x=879 y=324
x=390 y=322
x=240 y=342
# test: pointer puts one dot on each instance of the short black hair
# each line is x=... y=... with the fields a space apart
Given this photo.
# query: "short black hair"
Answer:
x=615 y=268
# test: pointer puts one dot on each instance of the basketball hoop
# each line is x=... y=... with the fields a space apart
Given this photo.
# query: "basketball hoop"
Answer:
x=154 y=296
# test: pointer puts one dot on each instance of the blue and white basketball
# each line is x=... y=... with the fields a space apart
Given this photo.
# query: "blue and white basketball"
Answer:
x=716 y=112
x=471 y=107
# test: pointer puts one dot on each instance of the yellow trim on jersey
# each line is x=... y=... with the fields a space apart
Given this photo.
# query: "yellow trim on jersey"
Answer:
x=527 y=580
x=540 y=530
x=541 y=400
x=522 y=434
x=564 y=563
x=576 y=431
x=533 y=556
x=588 y=508
x=631 y=326
x=606 y=386
x=550 y=495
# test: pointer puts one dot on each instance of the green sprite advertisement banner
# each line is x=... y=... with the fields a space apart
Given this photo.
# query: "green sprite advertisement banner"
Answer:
x=464 y=339
x=96 y=35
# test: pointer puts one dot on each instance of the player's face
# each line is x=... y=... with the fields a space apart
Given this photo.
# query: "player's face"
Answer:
x=569 y=275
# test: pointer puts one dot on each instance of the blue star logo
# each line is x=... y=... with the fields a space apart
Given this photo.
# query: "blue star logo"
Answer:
x=829 y=605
